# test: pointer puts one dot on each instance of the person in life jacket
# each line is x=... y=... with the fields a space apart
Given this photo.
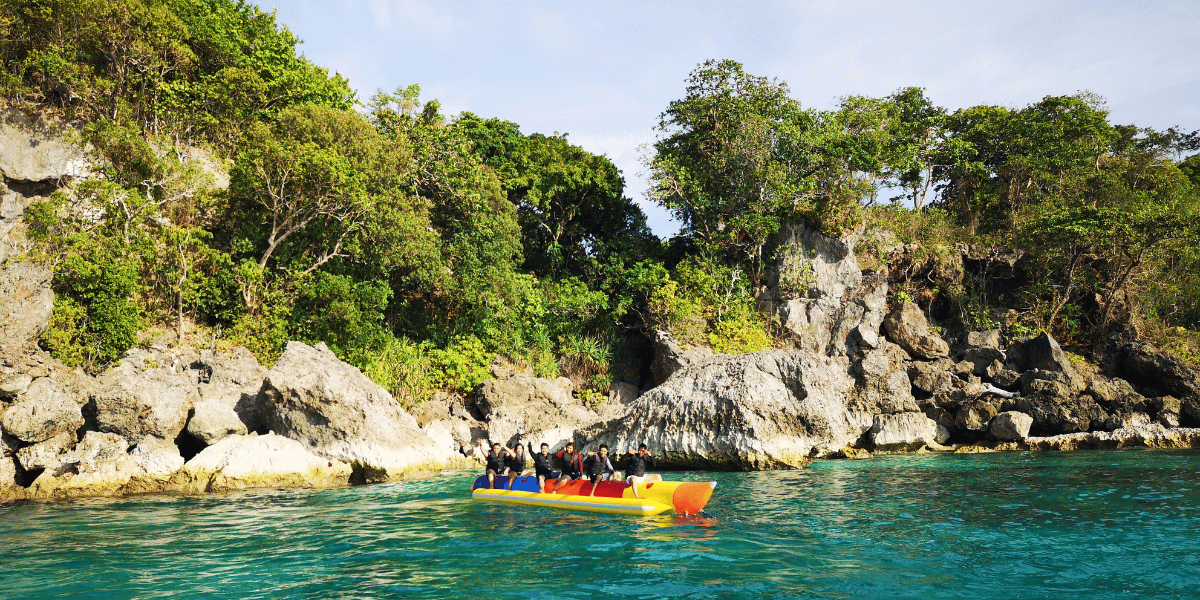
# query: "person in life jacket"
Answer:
x=635 y=467
x=599 y=467
x=516 y=463
x=496 y=462
x=543 y=466
x=570 y=463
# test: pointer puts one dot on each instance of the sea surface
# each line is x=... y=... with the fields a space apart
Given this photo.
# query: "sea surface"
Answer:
x=1105 y=524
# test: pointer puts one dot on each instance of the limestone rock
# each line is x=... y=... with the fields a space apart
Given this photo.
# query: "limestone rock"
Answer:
x=46 y=454
x=906 y=325
x=669 y=356
x=903 y=432
x=134 y=404
x=984 y=339
x=14 y=384
x=821 y=296
x=975 y=415
x=1149 y=367
x=230 y=382
x=1149 y=436
x=43 y=411
x=1044 y=354
x=531 y=408
x=1011 y=426
x=621 y=393
x=1056 y=414
x=1009 y=380
x=32 y=150
x=9 y=489
x=851 y=453
x=982 y=358
x=240 y=462
x=881 y=387
x=931 y=377
x=763 y=410
x=26 y=304
x=337 y=412
x=156 y=456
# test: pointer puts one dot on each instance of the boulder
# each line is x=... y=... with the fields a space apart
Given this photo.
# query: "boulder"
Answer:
x=931 y=377
x=903 y=432
x=906 y=325
x=881 y=387
x=1044 y=354
x=26 y=304
x=984 y=339
x=1009 y=380
x=134 y=403
x=33 y=150
x=250 y=461
x=99 y=465
x=670 y=357
x=975 y=415
x=337 y=412
x=981 y=359
x=230 y=382
x=43 y=411
x=1010 y=426
x=1057 y=414
x=763 y=410
x=1151 y=368
x=46 y=454
x=9 y=488
x=532 y=409
x=157 y=457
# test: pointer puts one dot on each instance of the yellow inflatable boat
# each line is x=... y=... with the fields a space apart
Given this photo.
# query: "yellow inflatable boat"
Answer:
x=612 y=497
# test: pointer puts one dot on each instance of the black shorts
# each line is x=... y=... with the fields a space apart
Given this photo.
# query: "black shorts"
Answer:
x=574 y=475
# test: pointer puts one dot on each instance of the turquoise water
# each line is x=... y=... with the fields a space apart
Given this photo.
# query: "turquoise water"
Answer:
x=1015 y=525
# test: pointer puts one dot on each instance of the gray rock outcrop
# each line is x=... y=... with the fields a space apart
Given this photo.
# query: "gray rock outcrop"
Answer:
x=906 y=325
x=337 y=412
x=133 y=404
x=42 y=412
x=670 y=357
x=903 y=432
x=33 y=150
x=1011 y=426
x=533 y=409
x=249 y=461
x=763 y=410
x=26 y=304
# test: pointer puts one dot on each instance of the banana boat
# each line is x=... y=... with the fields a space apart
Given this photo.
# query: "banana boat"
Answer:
x=612 y=497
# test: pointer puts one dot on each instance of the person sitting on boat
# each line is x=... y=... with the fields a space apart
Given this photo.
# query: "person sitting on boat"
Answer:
x=542 y=466
x=571 y=463
x=599 y=467
x=496 y=462
x=635 y=467
x=516 y=463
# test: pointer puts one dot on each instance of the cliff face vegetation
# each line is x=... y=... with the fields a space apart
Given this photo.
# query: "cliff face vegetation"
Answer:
x=234 y=193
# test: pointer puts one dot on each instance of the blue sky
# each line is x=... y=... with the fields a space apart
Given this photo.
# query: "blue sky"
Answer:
x=604 y=71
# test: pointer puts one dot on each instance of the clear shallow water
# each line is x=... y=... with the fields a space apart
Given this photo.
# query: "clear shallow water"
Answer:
x=1037 y=525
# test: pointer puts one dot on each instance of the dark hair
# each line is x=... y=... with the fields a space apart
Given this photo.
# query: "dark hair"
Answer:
x=545 y=445
x=494 y=444
x=641 y=446
x=604 y=446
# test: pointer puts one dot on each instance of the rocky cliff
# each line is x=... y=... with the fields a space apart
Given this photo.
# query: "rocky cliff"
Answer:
x=857 y=375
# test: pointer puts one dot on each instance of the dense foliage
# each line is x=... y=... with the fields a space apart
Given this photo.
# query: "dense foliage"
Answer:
x=423 y=249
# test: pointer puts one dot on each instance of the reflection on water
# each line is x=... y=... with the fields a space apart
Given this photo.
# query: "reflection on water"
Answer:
x=1062 y=525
